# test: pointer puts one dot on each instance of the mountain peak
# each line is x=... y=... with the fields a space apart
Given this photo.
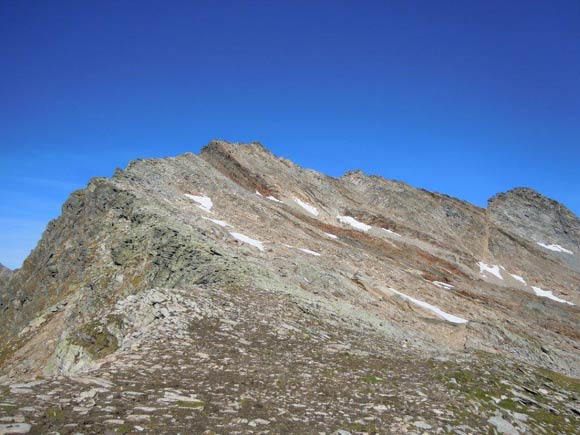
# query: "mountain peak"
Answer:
x=220 y=146
x=526 y=213
x=525 y=193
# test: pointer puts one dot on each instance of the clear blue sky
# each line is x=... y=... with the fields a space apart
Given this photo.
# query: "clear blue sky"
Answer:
x=468 y=98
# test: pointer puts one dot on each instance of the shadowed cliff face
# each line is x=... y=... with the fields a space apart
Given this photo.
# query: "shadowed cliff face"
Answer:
x=168 y=247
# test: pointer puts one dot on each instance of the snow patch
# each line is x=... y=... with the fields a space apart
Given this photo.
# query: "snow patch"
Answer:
x=349 y=220
x=308 y=251
x=392 y=232
x=493 y=269
x=259 y=194
x=443 y=285
x=518 y=278
x=217 y=222
x=449 y=317
x=204 y=202
x=332 y=236
x=555 y=248
x=309 y=208
x=548 y=294
x=271 y=198
x=248 y=240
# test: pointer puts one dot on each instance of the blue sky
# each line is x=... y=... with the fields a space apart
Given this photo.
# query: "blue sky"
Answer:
x=468 y=98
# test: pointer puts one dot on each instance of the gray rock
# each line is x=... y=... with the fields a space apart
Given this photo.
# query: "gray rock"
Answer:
x=15 y=428
x=503 y=426
x=421 y=425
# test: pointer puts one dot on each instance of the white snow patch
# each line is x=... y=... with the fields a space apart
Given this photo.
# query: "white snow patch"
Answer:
x=392 y=232
x=493 y=269
x=259 y=194
x=309 y=208
x=443 y=285
x=518 y=278
x=271 y=198
x=332 y=236
x=449 y=317
x=204 y=202
x=548 y=294
x=308 y=251
x=349 y=220
x=555 y=248
x=217 y=222
x=248 y=240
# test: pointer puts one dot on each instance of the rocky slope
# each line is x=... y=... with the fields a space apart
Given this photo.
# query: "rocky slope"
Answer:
x=5 y=274
x=237 y=292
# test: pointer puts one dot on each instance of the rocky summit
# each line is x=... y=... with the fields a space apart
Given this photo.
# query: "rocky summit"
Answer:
x=236 y=292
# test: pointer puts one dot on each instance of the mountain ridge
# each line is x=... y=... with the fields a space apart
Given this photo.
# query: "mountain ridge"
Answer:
x=372 y=259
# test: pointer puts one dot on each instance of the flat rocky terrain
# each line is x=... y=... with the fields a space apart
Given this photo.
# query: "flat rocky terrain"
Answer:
x=235 y=292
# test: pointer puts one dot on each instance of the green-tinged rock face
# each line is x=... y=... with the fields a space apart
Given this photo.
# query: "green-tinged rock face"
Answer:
x=96 y=339
x=67 y=358
x=123 y=253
